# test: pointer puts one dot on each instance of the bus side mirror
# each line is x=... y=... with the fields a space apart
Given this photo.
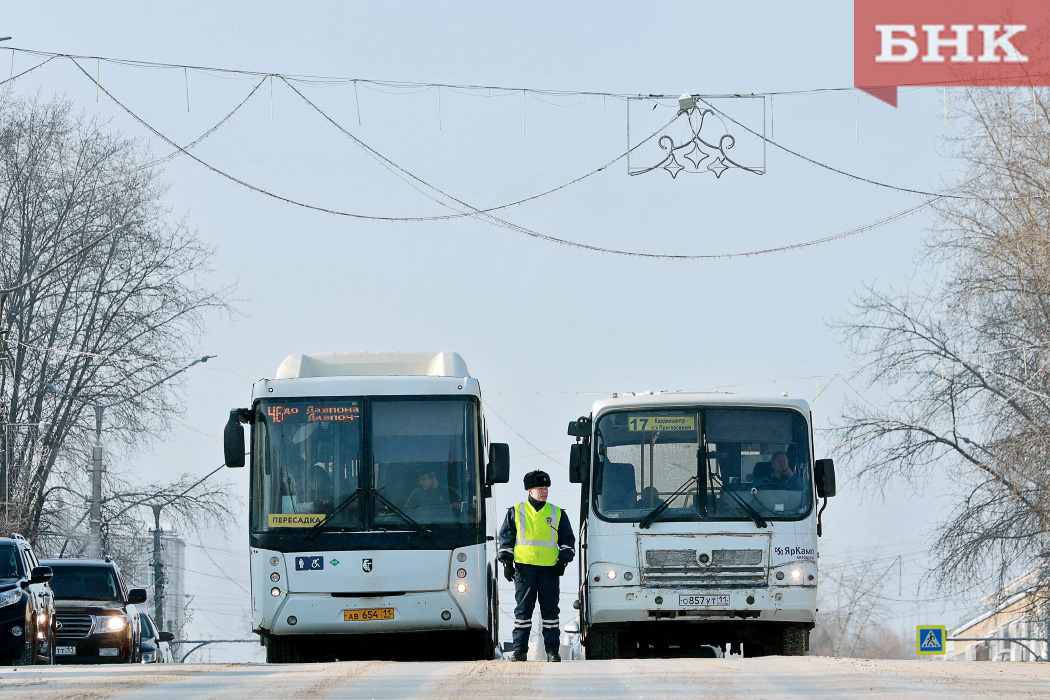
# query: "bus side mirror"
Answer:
x=499 y=463
x=579 y=462
x=233 y=438
x=580 y=428
x=824 y=472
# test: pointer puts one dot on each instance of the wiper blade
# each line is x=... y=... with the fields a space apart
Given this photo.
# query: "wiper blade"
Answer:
x=665 y=504
x=759 y=520
x=314 y=529
x=421 y=529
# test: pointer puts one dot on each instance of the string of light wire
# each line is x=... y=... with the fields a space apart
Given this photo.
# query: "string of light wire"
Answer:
x=316 y=81
x=487 y=217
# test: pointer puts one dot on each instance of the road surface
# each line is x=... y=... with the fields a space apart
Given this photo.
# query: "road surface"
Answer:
x=660 y=679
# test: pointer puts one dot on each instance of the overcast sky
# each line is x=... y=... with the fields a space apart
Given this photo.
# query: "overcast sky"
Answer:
x=546 y=328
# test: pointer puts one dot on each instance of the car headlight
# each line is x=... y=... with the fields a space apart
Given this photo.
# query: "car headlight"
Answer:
x=113 y=623
x=9 y=597
x=149 y=657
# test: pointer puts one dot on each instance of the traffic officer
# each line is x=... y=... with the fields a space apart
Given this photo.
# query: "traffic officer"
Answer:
x=535 y=545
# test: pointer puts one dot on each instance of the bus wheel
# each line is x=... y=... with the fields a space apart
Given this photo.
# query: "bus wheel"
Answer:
x=603 y=644
x=794 y=641
x=280 y=650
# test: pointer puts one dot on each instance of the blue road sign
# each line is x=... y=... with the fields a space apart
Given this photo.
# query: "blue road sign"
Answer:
x=929 y=639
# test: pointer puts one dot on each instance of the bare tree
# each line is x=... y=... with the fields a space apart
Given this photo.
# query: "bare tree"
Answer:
x=965 y=362
x=100 y=328
x=853 y=613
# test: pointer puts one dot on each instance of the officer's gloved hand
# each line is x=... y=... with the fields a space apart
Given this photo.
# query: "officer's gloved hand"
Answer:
x=508 y=571
x=559 y=568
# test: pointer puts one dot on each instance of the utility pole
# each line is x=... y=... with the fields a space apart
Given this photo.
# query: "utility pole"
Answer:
x=94 y=545
x=158 y=569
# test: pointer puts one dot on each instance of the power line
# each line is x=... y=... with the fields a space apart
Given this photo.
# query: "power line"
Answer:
x=316 y=81
x=417 y=86
x=470 y=210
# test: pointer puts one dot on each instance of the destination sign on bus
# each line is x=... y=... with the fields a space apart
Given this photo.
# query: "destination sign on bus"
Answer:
x=647 y=422
x=311 y=413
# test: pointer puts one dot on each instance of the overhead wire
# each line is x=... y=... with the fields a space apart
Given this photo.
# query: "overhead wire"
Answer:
x=470 y=210
x=614 y=251
x=207 y=133
x=423 y=85
x=412 y=87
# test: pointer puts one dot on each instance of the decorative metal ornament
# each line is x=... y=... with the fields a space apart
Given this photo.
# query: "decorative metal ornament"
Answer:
x=698 y=153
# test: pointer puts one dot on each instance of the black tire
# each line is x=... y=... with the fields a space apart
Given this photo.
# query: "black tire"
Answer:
x=603 y=644
x=794 y=641
x=46 y=652
x=281 y=650
x=494 y=616
x=27 y=657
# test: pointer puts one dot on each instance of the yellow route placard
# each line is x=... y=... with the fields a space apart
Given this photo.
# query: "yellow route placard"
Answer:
x=647 y=422
x=295 y=519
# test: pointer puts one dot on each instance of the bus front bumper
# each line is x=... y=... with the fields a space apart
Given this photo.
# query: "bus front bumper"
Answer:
x=321 y=613
x=618 y=604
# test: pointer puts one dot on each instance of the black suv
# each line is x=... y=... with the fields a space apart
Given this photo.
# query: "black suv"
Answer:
x=97 y=618
x=27 y=609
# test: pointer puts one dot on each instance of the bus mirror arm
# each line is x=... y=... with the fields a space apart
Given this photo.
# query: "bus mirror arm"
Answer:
x=820 y=529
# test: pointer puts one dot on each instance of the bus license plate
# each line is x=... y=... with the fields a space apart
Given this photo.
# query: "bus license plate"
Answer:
x=704 y=601
x=368 y=614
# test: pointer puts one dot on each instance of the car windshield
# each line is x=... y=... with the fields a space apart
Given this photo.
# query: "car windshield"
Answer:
x=9 y=568
x=79 y=582
x=706 y=464
x=146 y=624
x=314 y=464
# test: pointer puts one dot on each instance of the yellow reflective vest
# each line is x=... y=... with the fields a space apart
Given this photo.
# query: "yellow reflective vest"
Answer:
x=537 y=537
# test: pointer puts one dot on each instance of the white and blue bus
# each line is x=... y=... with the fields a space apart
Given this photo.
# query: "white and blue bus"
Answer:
x=371 y=518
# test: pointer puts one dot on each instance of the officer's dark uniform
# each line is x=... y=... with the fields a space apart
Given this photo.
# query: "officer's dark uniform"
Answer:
x=533 y=534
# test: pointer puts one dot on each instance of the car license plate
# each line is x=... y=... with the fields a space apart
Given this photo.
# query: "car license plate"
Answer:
x=368 y=614
x=65 y=651
x=109 y=651
x=704 y=601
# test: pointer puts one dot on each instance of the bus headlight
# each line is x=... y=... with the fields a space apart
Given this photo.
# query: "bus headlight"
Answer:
x=611 y=574
x=461 y=587
x=275 y=592
x=796 y=574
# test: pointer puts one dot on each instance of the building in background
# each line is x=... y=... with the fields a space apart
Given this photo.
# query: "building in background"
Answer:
x=1011 y=624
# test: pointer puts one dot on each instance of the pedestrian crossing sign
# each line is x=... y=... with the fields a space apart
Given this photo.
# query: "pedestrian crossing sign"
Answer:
x=929 y=639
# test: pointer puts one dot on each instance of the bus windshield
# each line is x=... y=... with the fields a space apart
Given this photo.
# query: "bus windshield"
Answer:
x=315 y=463
x=706 y=464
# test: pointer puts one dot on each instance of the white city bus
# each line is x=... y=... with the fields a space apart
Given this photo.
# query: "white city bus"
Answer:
x=371 y=519
x=688 y=539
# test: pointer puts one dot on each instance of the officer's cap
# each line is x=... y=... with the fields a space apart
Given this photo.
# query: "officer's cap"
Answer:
x=536 y=478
